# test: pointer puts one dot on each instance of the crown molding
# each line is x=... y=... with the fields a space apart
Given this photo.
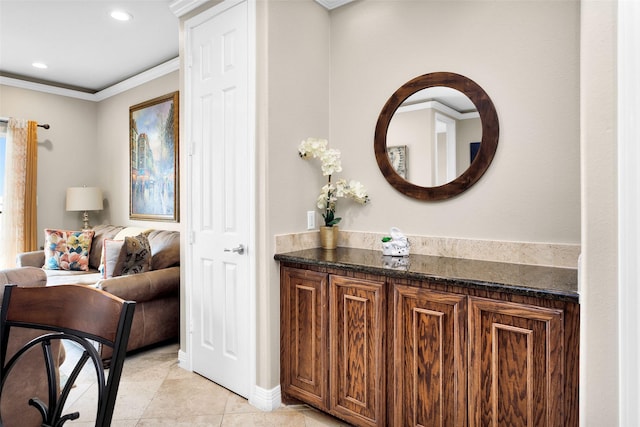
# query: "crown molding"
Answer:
x=40 y=87
x=137 y=80
x=333 y=4
x=438 y=106
x=182 y=7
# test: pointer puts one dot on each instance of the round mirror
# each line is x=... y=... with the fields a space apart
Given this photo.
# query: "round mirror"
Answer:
x=436 y=136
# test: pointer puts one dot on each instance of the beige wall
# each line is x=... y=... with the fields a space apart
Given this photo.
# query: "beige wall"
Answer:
x=599 y=375
x=414 y=129
x=293 y=104
x=467 y=131
x=65 y=151
x=112 y=149
x=525 y=55
x=87 y=144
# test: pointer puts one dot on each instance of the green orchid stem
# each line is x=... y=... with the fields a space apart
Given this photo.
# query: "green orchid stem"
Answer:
x=329 y=216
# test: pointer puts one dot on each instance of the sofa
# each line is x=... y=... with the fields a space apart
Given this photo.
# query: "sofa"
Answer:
x=156 y=289
x=28 y=379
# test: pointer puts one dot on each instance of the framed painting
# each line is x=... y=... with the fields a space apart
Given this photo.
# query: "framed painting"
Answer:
x=153 y=155
x=474 y=147
x=398 y=159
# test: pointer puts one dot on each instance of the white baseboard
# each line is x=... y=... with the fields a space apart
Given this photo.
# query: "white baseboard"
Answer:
x=183 y=360
x=266 y=400
x=261 y=398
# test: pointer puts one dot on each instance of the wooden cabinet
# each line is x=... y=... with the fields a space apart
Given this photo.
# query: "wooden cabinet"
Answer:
x=304 y=336
x=378 y=351
x=351 y=360
x=356 y=346
x=516 y=364
x=515 y=371
x=429 y=358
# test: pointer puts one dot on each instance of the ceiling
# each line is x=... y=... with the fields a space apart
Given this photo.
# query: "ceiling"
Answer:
x=450 y=97
x=85 y=49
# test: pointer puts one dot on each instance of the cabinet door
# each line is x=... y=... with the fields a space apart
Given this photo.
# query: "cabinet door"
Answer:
x=516 y=364
x=304 y=346
x=357 y=357
x=429 y=358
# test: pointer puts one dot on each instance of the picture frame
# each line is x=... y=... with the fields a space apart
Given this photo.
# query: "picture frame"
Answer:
x=474 y=149
x=153 y=159
x=398 y=159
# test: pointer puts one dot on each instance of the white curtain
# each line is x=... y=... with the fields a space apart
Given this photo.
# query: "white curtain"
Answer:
x=18 y=213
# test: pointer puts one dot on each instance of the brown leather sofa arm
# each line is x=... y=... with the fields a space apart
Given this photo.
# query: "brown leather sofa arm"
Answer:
x=27 y=276
x=30 y=259
x=146 y=286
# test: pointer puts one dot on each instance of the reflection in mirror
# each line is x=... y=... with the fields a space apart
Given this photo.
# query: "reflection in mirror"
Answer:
x=437 y=126
x=398 y=159
x=447 y=129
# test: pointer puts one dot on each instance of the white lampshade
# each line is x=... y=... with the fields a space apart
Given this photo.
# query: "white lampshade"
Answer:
x=84 y=199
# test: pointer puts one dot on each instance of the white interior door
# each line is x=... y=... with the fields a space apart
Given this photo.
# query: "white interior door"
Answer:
x=220 y=198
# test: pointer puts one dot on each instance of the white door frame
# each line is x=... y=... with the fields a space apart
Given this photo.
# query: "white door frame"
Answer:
x=186 y=356
x=628 y=211
x=450 y=132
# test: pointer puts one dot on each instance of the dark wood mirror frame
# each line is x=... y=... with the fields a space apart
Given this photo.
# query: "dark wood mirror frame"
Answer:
x=488 y=146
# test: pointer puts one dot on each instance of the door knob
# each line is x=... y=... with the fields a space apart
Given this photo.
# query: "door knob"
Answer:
x=239 y=250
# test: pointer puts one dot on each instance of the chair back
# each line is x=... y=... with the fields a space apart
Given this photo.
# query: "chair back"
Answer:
x=77 y=313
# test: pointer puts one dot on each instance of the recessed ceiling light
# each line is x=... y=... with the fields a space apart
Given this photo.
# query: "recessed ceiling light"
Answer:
x=40 y=65
x=121 y=15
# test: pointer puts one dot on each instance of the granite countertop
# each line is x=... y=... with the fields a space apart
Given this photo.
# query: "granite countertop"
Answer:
x=538 y=281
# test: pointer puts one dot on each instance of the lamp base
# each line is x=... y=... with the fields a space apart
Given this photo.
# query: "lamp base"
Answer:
x=85 y=220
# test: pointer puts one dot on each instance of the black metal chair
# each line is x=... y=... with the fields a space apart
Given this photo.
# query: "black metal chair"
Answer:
x=77 y=313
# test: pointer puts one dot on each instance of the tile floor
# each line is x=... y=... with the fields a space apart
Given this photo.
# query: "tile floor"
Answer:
x=154 y=391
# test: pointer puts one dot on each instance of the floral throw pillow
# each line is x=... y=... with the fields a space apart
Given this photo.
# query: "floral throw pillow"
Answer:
x=138 y=255
x=67 y=250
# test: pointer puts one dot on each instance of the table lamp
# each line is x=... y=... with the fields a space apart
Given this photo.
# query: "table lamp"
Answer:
x=84 y=199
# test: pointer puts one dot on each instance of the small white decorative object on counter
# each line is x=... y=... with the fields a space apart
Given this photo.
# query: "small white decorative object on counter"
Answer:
x=395 y=262
x=396 y=245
